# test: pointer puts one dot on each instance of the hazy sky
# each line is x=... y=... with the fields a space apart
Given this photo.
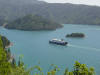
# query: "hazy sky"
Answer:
x=88 y=2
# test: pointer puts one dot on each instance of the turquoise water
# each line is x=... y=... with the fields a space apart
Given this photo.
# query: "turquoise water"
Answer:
x=35 y=47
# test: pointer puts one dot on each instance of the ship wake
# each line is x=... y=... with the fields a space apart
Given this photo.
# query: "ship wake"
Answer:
x=84 y=47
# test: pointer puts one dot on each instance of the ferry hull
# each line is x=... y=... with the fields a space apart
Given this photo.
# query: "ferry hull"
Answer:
x=58 y=43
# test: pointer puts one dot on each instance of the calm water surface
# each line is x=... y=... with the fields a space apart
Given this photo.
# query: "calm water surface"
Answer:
x=35 y=47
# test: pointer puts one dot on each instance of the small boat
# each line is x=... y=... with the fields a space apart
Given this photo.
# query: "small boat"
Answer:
x=58 y=42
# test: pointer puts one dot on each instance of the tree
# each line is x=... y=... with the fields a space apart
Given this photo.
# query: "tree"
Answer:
x=66 y=72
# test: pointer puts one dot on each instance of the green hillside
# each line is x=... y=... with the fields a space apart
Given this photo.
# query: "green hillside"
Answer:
x=61 y=13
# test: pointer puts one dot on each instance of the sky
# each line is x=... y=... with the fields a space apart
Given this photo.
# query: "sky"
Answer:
x=87 y=2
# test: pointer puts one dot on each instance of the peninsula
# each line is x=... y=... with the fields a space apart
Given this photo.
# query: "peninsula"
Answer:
x=33 y=22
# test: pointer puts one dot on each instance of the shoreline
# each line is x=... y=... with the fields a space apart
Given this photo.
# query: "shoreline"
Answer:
x=11 y=44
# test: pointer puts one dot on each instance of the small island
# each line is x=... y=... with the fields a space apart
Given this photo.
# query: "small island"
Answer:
x=80 y=35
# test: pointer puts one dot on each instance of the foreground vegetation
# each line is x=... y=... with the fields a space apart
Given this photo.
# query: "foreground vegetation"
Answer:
x=8 y=66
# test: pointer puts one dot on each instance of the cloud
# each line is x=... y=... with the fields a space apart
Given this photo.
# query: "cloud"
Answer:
x=88 y=2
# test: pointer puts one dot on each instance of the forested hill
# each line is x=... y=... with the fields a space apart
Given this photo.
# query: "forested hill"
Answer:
x=20 y=2
x=33 y=22
x=62 y=13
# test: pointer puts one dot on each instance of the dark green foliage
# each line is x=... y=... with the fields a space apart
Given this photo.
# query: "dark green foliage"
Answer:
x=13 y=62
x=20 y=62
x=33 y=22
x=8 y=54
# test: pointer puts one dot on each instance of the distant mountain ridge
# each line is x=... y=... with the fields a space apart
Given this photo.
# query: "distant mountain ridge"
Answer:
x=61 y=13
x=14 y=2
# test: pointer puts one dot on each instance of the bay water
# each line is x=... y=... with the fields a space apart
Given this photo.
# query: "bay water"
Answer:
x=35 y=47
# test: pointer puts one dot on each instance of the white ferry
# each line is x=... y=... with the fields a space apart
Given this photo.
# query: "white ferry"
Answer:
x=58 y=42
